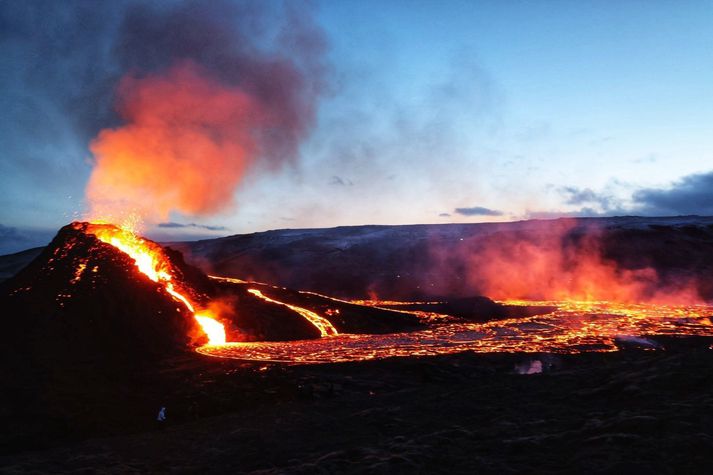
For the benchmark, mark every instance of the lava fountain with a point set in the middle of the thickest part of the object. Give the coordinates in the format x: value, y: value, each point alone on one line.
x: 152, y: 262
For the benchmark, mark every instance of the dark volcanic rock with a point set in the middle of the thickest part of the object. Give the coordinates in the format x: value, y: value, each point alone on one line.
x: 477, y: 309
x: 82, y: 300
x: 609, y: 413
x: 252, y: 319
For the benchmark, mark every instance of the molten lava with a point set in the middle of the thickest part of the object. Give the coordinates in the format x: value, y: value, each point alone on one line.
x: 322, y: 324
x: 152, y: 262
x: 573, y: 327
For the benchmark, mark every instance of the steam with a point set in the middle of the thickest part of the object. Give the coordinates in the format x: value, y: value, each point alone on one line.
x: 564, y: 260
x: 208, y: 94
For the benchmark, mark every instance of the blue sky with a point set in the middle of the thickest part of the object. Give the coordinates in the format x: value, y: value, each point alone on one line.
x: 520, y: 109
x: 528, y: 98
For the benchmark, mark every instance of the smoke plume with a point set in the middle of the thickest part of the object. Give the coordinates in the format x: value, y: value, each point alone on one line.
x: 209, y: 91
x: 555, y: 260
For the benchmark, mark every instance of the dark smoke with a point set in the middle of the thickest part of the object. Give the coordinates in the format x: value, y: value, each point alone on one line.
x: 62, y: 62
x: 232, y: 41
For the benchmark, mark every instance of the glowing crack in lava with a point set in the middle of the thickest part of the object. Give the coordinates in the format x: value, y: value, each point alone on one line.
x: 151, y: 261
x: 573, y: 327
x: 323, y: 325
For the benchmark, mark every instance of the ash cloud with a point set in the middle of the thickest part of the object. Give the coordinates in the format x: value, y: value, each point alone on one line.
x: 478, y: 211
x: 693, y: 194
x: 70, y: 55
x: 63, y: 61
x: 282, y: 66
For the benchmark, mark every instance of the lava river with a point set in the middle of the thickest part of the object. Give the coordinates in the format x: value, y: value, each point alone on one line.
x: 573, y: 327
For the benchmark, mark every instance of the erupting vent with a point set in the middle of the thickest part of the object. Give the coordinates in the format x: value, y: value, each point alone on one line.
x: 151, y: 261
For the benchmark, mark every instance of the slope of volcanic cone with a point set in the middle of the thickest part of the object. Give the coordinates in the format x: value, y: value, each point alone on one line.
x: 84, y: 301
x: 251, y: 318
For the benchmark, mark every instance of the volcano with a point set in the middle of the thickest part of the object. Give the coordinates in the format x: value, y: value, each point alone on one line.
x: 84, y: 299
x: 96, y: 341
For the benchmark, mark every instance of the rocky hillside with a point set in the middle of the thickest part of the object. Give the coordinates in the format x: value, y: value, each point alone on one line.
x: 418, y: 261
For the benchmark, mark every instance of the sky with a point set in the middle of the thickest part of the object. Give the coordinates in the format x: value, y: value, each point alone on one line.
x: 409, y: 112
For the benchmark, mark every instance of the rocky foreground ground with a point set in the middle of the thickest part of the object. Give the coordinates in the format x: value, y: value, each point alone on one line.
x: 631, y: 411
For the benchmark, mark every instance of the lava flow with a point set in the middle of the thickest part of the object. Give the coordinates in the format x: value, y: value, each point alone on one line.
x: 323, y: 325
x: 573, y: 327
x: 151, y: 261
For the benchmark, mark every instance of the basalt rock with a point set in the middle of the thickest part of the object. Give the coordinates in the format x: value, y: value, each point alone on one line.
x: 84, y: 301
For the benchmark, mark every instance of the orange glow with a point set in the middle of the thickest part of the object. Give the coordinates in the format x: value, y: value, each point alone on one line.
x: 388, y: 303
x: 213, y: 328
x: 323, y: 325
x: 573, y: 327
x: 185, y: 145
x: 151, y: 261
x: 556, y: 263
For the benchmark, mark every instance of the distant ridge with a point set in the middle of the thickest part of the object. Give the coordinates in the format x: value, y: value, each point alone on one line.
x: 363, y: 260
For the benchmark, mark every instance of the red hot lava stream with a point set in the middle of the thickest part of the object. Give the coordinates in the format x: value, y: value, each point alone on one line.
x: 572, y: 328
x: 151, y: 261
x: 323, y: 325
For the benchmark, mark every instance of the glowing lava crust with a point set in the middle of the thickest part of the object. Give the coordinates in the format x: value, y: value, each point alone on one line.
x: 573, y: 327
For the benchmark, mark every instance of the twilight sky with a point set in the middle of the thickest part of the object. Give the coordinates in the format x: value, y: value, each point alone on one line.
x: 424, y: 111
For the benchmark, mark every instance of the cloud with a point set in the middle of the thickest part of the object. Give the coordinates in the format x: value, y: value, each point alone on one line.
x: 339, y: 181
x: 478, y: 211
x: 692, y: 194
x: 14, y: 239
x: 580, y: 196
x: 192, y: 225
x: 444, y: 215
x: 584, y: 212
x: 591, y: 203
